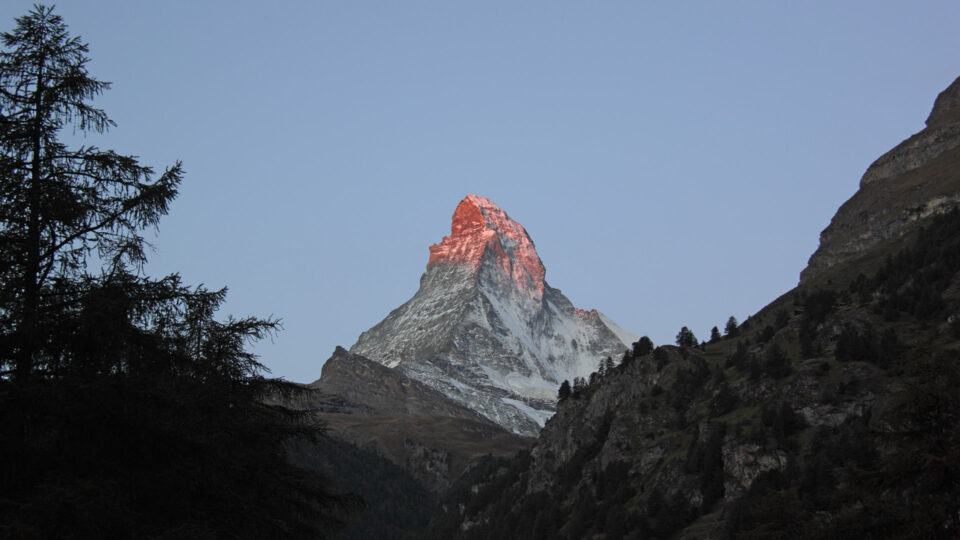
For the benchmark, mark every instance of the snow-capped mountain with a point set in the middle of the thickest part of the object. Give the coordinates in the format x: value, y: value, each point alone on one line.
x: 485, y: 328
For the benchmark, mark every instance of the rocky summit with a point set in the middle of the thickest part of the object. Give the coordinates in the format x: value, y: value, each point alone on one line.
x: 486, y: 330
x: 901, y: 190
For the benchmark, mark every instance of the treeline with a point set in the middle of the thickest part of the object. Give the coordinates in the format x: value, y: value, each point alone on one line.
x: 913, y: 281
x: 641, y: 347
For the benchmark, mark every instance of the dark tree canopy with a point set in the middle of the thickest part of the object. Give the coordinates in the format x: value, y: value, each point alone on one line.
x: 126, y: 409
x: 685, y: 338
x: 609, y: 365
x: 715, y: 335
x: 732, y: 329
x: 642, y: 347
x: 60, y: 205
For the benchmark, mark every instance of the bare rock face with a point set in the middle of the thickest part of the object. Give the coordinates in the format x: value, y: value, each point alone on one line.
x: 416, y: 427
x: 367, y: 387
x: 917, y: 179
x: 946, y: 109
x: 744, y: 462
x: 486, y: 330
x: 480, y: 230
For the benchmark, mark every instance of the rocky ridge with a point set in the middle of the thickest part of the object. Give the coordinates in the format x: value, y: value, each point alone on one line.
x: 380, y: 409
x: 366, y: 386
x: 917, y: 179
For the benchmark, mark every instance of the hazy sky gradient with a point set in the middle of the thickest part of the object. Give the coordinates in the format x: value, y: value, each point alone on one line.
x: 674, y: 162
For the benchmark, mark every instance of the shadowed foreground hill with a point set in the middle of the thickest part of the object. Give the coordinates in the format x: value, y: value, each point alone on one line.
x: 410, y: 424
x: 396, y: 442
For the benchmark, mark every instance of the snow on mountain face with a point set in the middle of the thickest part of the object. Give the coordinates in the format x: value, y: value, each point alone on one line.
x: 486, y: 329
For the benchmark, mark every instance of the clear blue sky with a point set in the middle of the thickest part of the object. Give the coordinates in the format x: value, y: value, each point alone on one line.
x: 674, y: 162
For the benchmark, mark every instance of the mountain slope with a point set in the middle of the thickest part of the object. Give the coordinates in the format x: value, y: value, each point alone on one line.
x: 485, y: 328
x: 370, y: 387
x: 917, y: 179
x: 380, y: 409
x: 831, y: 413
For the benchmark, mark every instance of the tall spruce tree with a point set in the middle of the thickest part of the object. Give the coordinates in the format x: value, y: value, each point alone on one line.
x: 126, y: 409
x: 686, y: 338
x: 60, y: 205
x: 732, y: 329
x: 714, y: 335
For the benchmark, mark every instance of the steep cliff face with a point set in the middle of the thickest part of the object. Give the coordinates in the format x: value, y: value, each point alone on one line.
x: 370, y: 387
x: 917, y: 179
x: 486, y: 330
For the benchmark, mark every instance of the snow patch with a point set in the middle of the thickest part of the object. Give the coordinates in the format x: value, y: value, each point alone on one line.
x: 627, y: 337
x: 538, y: 416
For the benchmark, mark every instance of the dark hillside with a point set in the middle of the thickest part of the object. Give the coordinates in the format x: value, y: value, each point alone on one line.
x: 830, y: 413
x: 916, y: 180
x: 394, y: 502
x: 833, y: 414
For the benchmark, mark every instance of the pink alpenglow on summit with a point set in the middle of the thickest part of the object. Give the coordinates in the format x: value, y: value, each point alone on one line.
x: 486, y: 330
x: 480, y: 228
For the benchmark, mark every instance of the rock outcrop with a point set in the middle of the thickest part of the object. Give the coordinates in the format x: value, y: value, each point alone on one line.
x: 370, y: 387
x: 412, y: 425
x: 917, y: 179
x: 681, y: 434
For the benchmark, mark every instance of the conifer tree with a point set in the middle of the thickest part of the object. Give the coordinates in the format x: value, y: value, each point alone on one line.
x: 642, y: 347
x: 60, y: 205
x: 714, y: 334
x: 686, y: 338
x: 731, y: 329
x: 128, y: 410
x: 608, y: 365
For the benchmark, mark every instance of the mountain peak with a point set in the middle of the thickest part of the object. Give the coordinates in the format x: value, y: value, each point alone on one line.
x: 917, y: 179
x: 486, y: 330
x: 946, y: 108
x: 481, y: 233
